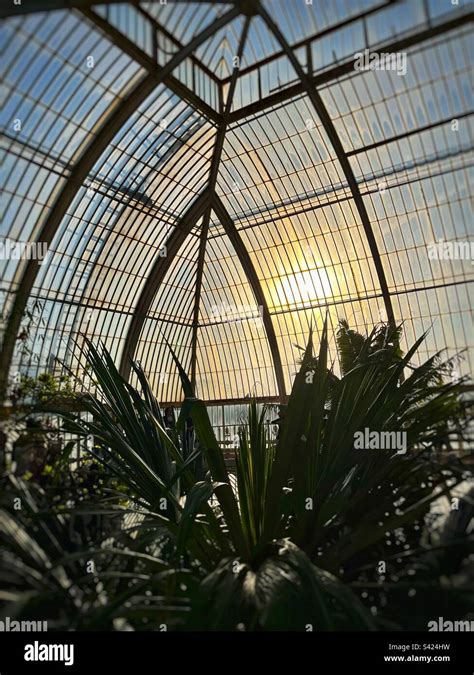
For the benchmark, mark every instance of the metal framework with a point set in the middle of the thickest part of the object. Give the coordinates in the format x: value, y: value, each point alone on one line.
x: 8, y: 8
x: 232, y: 233
x: 347, y: 66
x: 202, y: 148
x: 318, y: 104
x: 213, y: 172
x: 79, y: 173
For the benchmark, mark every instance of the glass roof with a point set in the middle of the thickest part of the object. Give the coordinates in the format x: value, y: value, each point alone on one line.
x: 218, y: 177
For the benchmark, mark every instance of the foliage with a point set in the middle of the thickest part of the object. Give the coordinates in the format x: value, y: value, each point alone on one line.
x: 42, y: 389
x: 75, y: 568
x: 294, y: 540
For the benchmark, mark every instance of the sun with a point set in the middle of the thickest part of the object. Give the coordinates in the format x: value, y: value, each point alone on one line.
x: 307, y: 286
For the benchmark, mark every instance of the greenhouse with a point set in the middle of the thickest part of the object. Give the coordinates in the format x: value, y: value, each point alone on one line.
x: 236, y: 341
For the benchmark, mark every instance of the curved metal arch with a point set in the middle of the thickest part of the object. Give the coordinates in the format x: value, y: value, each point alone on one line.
x: 110, y: 126
x: 197, y: 209
x: 314, y: 97
x: 213, y: 173
x: 197, y: 292
x: 251, y: 274
x: 202, y: 207
x: 139, y: 56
